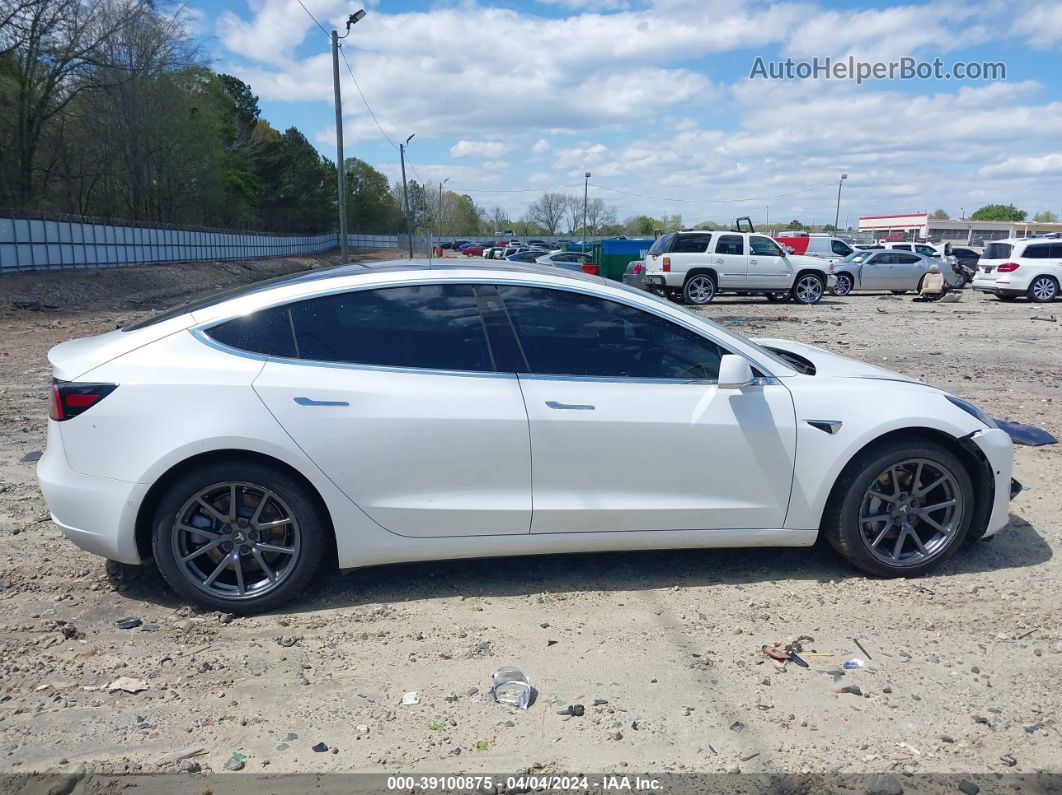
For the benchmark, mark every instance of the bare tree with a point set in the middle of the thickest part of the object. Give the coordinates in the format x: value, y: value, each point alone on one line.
x: 55, y: 48
x: 598, y: 215
x: 548, y: 211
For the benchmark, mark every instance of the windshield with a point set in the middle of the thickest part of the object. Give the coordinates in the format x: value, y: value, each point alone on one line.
x: 858, y: 256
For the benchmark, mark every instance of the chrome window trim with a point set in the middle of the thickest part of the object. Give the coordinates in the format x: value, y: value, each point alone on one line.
x: 200, y: 331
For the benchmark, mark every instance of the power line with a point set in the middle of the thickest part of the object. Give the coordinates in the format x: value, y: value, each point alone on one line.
x: 710, y: 201
x: 325, y: 32
x: 365, y: 101
x: 511, y: 190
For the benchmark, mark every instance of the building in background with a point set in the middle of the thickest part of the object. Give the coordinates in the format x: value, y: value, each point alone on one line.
x: 910, y: 226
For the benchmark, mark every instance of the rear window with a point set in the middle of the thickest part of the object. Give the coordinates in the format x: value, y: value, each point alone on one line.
x: 662, y: 244
x: 267, y: 332
x: 998, y: 251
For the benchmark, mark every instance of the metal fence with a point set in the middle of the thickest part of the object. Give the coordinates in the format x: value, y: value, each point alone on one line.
x: 45, y: 244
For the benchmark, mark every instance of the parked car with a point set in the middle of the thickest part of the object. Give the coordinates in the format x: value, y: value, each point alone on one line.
x: 825, y: 246
x: 569, y: 260
x: 540, y: 244
x: 472, y: 251
x: 1030, y: 267
x: 291, y: 408
x: 882, y: 269
x: 696, y: 266
x: 967, y: 257
x: 528, y: 255
x: 634, y: 275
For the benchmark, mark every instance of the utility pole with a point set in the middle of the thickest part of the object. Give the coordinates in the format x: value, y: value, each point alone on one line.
x: 405, y: 193
x: 341, y: 177
x: 586, y: 185
x: 441, y: 203
x: 837, y: 215
x: 341, y: 182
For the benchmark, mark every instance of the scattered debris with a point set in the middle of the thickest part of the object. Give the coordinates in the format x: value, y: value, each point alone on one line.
x: 320, y: 748
x: 737, y: 727
x: 129, y: 622
x: 226, y: 618
x: 29, y: 458
x: 774, y: 652
x: 509, y: 685
x: 287, y: 641
x: 1008, y: 760
x: 1049, y: 318
x: 573, y: 710
x: 853, y: 689
x: 747, y: 757
x: 885, y: 784
x: 410, y: 699
x: 189, y: 766
x: 127, y: 684
x: 860, y: 647
x: 967, y: 787
x: 236, y: 762
x: 1026, y: 434
x: 181, y: 755
x: 482, y: 745
x: 855, y: 662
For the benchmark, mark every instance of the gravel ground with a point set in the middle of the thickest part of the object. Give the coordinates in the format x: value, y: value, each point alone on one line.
x: 964, y: 668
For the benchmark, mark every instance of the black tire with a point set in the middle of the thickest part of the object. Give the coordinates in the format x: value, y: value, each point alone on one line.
x: 777, y: 298
x: 1043, y: 289
x: 699, y: 289
x: 804, y: 292
x: 841, y: 524
x: 844, y: 285
x: 308, y: 533
x: 961, y: 282
x: 902, y: 292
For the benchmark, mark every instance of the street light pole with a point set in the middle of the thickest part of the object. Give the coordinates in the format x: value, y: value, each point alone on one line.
x: 405, y: 194
x: 586, y: 185
x: 837, y: 215
x: 341, y: 177
x: 441, y: 203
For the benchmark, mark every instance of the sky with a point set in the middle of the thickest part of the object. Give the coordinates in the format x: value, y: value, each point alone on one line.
x: 657, y: 100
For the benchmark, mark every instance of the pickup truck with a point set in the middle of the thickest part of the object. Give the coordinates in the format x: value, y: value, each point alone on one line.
x: 696, y: 266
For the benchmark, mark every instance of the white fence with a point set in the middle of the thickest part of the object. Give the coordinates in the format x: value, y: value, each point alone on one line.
x: 41, y: 244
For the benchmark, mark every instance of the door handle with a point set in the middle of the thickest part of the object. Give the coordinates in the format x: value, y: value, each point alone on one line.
x: 305, y: 401
x: 718, y: 261
x: 754, y: 262
x: 554, y: 404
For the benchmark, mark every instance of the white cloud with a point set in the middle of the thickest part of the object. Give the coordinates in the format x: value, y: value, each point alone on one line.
x: 1041, y: 25
x: 465, y: 148
x: 541, y: 147
x: 1024, y: 166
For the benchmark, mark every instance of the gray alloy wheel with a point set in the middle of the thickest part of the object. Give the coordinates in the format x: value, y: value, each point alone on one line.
x: 699, y: 289
x: 1043, y: 289
x: 910, y: 512
x: 808, y: 289
x: 236, y: 540
x: 844, y: 285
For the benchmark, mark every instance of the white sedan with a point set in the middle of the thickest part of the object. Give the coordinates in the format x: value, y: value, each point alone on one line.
x: 403, y: 413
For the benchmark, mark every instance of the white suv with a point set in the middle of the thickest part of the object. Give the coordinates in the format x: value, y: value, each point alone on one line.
x: 1021, y: 266
x: 698, y: 265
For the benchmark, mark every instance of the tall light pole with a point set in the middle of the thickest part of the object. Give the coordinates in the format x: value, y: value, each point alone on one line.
x: 341, y: 177
x: 586, y: 185
x: 405, y: 193
x: 440, y: 202
x: 837, y: 215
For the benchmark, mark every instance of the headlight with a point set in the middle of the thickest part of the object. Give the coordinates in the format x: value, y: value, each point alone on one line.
x: 972, y: 410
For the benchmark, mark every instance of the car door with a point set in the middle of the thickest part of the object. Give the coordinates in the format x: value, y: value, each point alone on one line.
x: 628, y: 428
x: 395, y: 396
x: 769, y: 267
x: 907, y: 271
x: 875, y: 273
x: 730, y: 260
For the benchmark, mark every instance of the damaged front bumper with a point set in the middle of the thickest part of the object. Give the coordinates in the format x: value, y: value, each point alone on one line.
x: 998, y: 451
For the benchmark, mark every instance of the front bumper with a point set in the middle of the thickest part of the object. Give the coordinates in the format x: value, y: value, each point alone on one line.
x: 97, y: 514
x: 998, y: 450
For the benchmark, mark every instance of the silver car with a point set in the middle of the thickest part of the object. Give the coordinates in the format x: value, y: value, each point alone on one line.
x: 898, y: 271
x: 634, y: 275
x: 568, y: 260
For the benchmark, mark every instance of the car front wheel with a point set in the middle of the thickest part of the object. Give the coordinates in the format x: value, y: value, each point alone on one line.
x: 239, y: 537
x: 844, y: 284
x: 901, y: 510
x: 808, y: 289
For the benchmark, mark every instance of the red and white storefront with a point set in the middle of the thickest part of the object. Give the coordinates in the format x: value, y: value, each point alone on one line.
x: 895, y: 227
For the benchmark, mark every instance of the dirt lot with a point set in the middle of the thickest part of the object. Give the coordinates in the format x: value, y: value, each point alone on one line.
x: 964, y: 668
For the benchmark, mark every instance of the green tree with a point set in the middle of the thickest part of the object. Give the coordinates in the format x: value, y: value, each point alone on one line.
x: 999, y: 212
x: 794, y: 225
x: 370, y: 205
x: 1045, y: 217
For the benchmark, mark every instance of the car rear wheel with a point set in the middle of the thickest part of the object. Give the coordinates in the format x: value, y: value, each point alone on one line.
x: 901, y: 510
x: 844, y: 284
x: 699, y: 289
x: 240, y: 537
x: 808, y: 289
x: 1043, y: 289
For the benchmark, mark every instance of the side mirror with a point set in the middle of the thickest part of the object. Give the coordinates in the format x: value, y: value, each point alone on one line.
x: 789, y: 249
x: 735, y: 372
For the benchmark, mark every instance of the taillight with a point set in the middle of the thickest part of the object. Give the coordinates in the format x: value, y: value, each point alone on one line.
x: 590, y: 267
x: 70, y: 398
x: 1007, y: 267
x: 667, y: 264
x: 637, y: 268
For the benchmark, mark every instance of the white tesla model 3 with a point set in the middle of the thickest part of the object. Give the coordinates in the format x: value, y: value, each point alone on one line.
x: 401, y: 412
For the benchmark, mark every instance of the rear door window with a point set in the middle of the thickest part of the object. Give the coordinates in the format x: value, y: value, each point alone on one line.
x: 998, y: 251
x: 1040, y: 251
x: 730, y: 244
x: 433, y: 326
